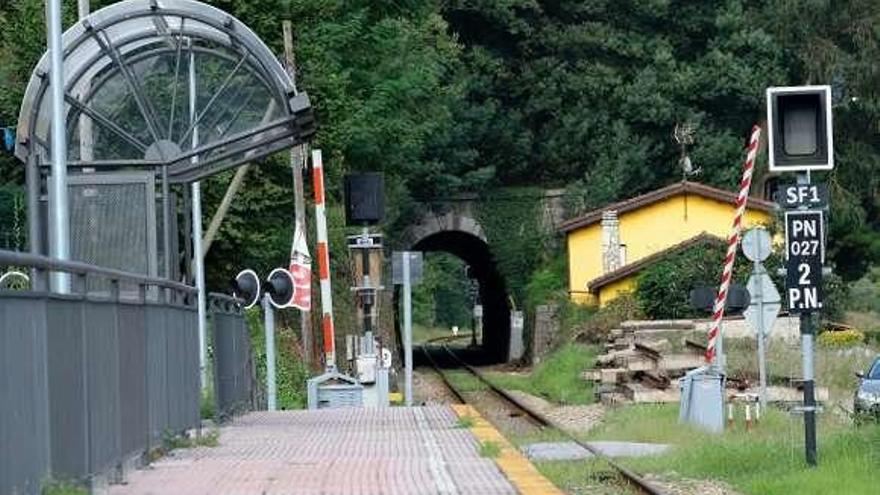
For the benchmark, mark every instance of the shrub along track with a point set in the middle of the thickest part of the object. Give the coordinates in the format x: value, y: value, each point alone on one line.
x: 504, y: 405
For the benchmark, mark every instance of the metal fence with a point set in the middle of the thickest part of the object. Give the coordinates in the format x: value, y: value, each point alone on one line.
x: 90, y: 381
x: 234, y: 372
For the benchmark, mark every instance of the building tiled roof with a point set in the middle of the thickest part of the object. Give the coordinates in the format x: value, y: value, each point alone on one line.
x: 636, y: 266
x: 683, y: 187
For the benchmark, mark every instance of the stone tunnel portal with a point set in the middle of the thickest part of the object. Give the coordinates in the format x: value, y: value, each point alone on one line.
x: 474, y: 251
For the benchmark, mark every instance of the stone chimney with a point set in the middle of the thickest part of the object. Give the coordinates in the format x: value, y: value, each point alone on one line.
x: 611, y: 247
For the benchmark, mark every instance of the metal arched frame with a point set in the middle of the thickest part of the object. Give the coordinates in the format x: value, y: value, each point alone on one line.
x: 109, y: 42
x: 129, y: 58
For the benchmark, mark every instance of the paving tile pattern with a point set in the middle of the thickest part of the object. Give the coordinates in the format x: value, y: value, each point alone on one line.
x: 387, y: 451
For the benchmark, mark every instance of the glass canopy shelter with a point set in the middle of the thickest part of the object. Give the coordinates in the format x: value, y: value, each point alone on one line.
x: 155, y: 90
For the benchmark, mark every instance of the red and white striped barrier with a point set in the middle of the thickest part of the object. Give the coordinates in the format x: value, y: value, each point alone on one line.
x: 733, y: 241
x: 323, y: 261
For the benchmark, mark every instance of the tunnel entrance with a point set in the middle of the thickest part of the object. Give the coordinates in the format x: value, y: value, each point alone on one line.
x: 474, y: 252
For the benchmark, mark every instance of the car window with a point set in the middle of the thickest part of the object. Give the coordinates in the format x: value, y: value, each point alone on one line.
x: 874, y: 374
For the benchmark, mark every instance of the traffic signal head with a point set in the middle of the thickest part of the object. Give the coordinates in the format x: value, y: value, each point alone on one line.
x: 279, y: 286
x: 738, y: 299
x: 799, y: 128
x: 703, y: 297
x: 246, y: 286
x: 364, y: 198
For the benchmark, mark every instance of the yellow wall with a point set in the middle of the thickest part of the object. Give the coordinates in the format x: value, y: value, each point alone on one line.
x: 611, y: 291
x: 645, y: 231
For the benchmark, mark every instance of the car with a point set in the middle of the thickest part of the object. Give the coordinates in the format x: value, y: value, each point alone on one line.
x: 867, y: 400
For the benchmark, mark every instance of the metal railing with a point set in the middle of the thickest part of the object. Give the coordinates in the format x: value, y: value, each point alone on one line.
x: 91, y: 380
x: 41, y: 266
x: 234, y: 372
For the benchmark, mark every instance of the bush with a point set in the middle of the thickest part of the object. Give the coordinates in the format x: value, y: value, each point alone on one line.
x: 841, y: 338
x: 548, y: 283
x: 663, y: 289
x: 558, y: 378
x: 290, y: 372
x: 594, y: 326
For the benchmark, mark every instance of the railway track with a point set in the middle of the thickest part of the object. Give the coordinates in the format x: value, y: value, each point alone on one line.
x: 539, y: 420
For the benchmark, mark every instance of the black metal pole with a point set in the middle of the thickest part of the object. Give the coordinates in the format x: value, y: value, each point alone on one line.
x: 367, y: 297
x: 807, y: 334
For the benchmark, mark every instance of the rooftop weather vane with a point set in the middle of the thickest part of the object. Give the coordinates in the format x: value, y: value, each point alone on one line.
x: 684, y: 136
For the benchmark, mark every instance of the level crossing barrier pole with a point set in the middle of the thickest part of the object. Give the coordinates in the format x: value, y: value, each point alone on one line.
x: 329, y: 333
x: 715, y: 347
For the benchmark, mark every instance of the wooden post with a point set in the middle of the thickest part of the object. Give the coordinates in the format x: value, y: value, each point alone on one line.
x: 298, y: 156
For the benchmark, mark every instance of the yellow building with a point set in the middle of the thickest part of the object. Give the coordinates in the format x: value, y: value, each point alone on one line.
x: 608, y: 247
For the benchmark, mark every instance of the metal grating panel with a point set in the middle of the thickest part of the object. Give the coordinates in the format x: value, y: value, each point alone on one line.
x: 113, y: 224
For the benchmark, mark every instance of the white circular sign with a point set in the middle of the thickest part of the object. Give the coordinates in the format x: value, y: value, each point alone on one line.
x: 756, y: 244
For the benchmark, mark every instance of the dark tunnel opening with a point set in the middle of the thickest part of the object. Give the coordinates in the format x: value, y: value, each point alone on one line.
x: 475, y: 253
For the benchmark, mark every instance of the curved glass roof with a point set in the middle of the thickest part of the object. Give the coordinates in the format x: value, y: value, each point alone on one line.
x: 165, y: 82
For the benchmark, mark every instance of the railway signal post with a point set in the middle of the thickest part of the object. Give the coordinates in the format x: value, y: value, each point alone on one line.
x: 406, y: 268
x: 801, y: 140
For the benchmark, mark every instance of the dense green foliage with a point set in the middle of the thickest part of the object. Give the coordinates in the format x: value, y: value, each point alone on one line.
x: 13, y: 218
x: 441, y: 299
x: 512, y: 223
x: 548, y: 283
x: 290, y: 374
x: 663, y: 289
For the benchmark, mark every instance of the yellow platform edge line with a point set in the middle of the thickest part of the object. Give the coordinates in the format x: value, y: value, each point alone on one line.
x: 521, y: 473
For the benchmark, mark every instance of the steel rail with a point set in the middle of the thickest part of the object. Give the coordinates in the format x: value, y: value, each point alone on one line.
x: 630, y: 476
x: 442, y: 375
x: 505, y: 396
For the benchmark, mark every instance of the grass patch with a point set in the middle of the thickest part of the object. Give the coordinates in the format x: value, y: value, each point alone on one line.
x: 210, y: 439
x: 767, y: 461
x: 558, y: 378
x: 207, y: 407
x: 583, y: 477
x: 463, y: 381
x: 490, y: 449
x: 835, y: 368
x: 53, y: 487
x: 465, y: 422
x: 423, y: 333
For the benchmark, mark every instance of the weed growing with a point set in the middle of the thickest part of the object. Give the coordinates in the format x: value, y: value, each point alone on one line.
x: 490, y: 449
x: 464, y: 382
x: 209, y: 439
x: 465, y: 422
x: 54, y: 487
x: 558, y: 378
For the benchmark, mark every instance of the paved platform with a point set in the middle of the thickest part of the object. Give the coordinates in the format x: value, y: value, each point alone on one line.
x: 389, y: 451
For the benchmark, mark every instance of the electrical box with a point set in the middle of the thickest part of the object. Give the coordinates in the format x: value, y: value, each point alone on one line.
x: 334, y: 390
